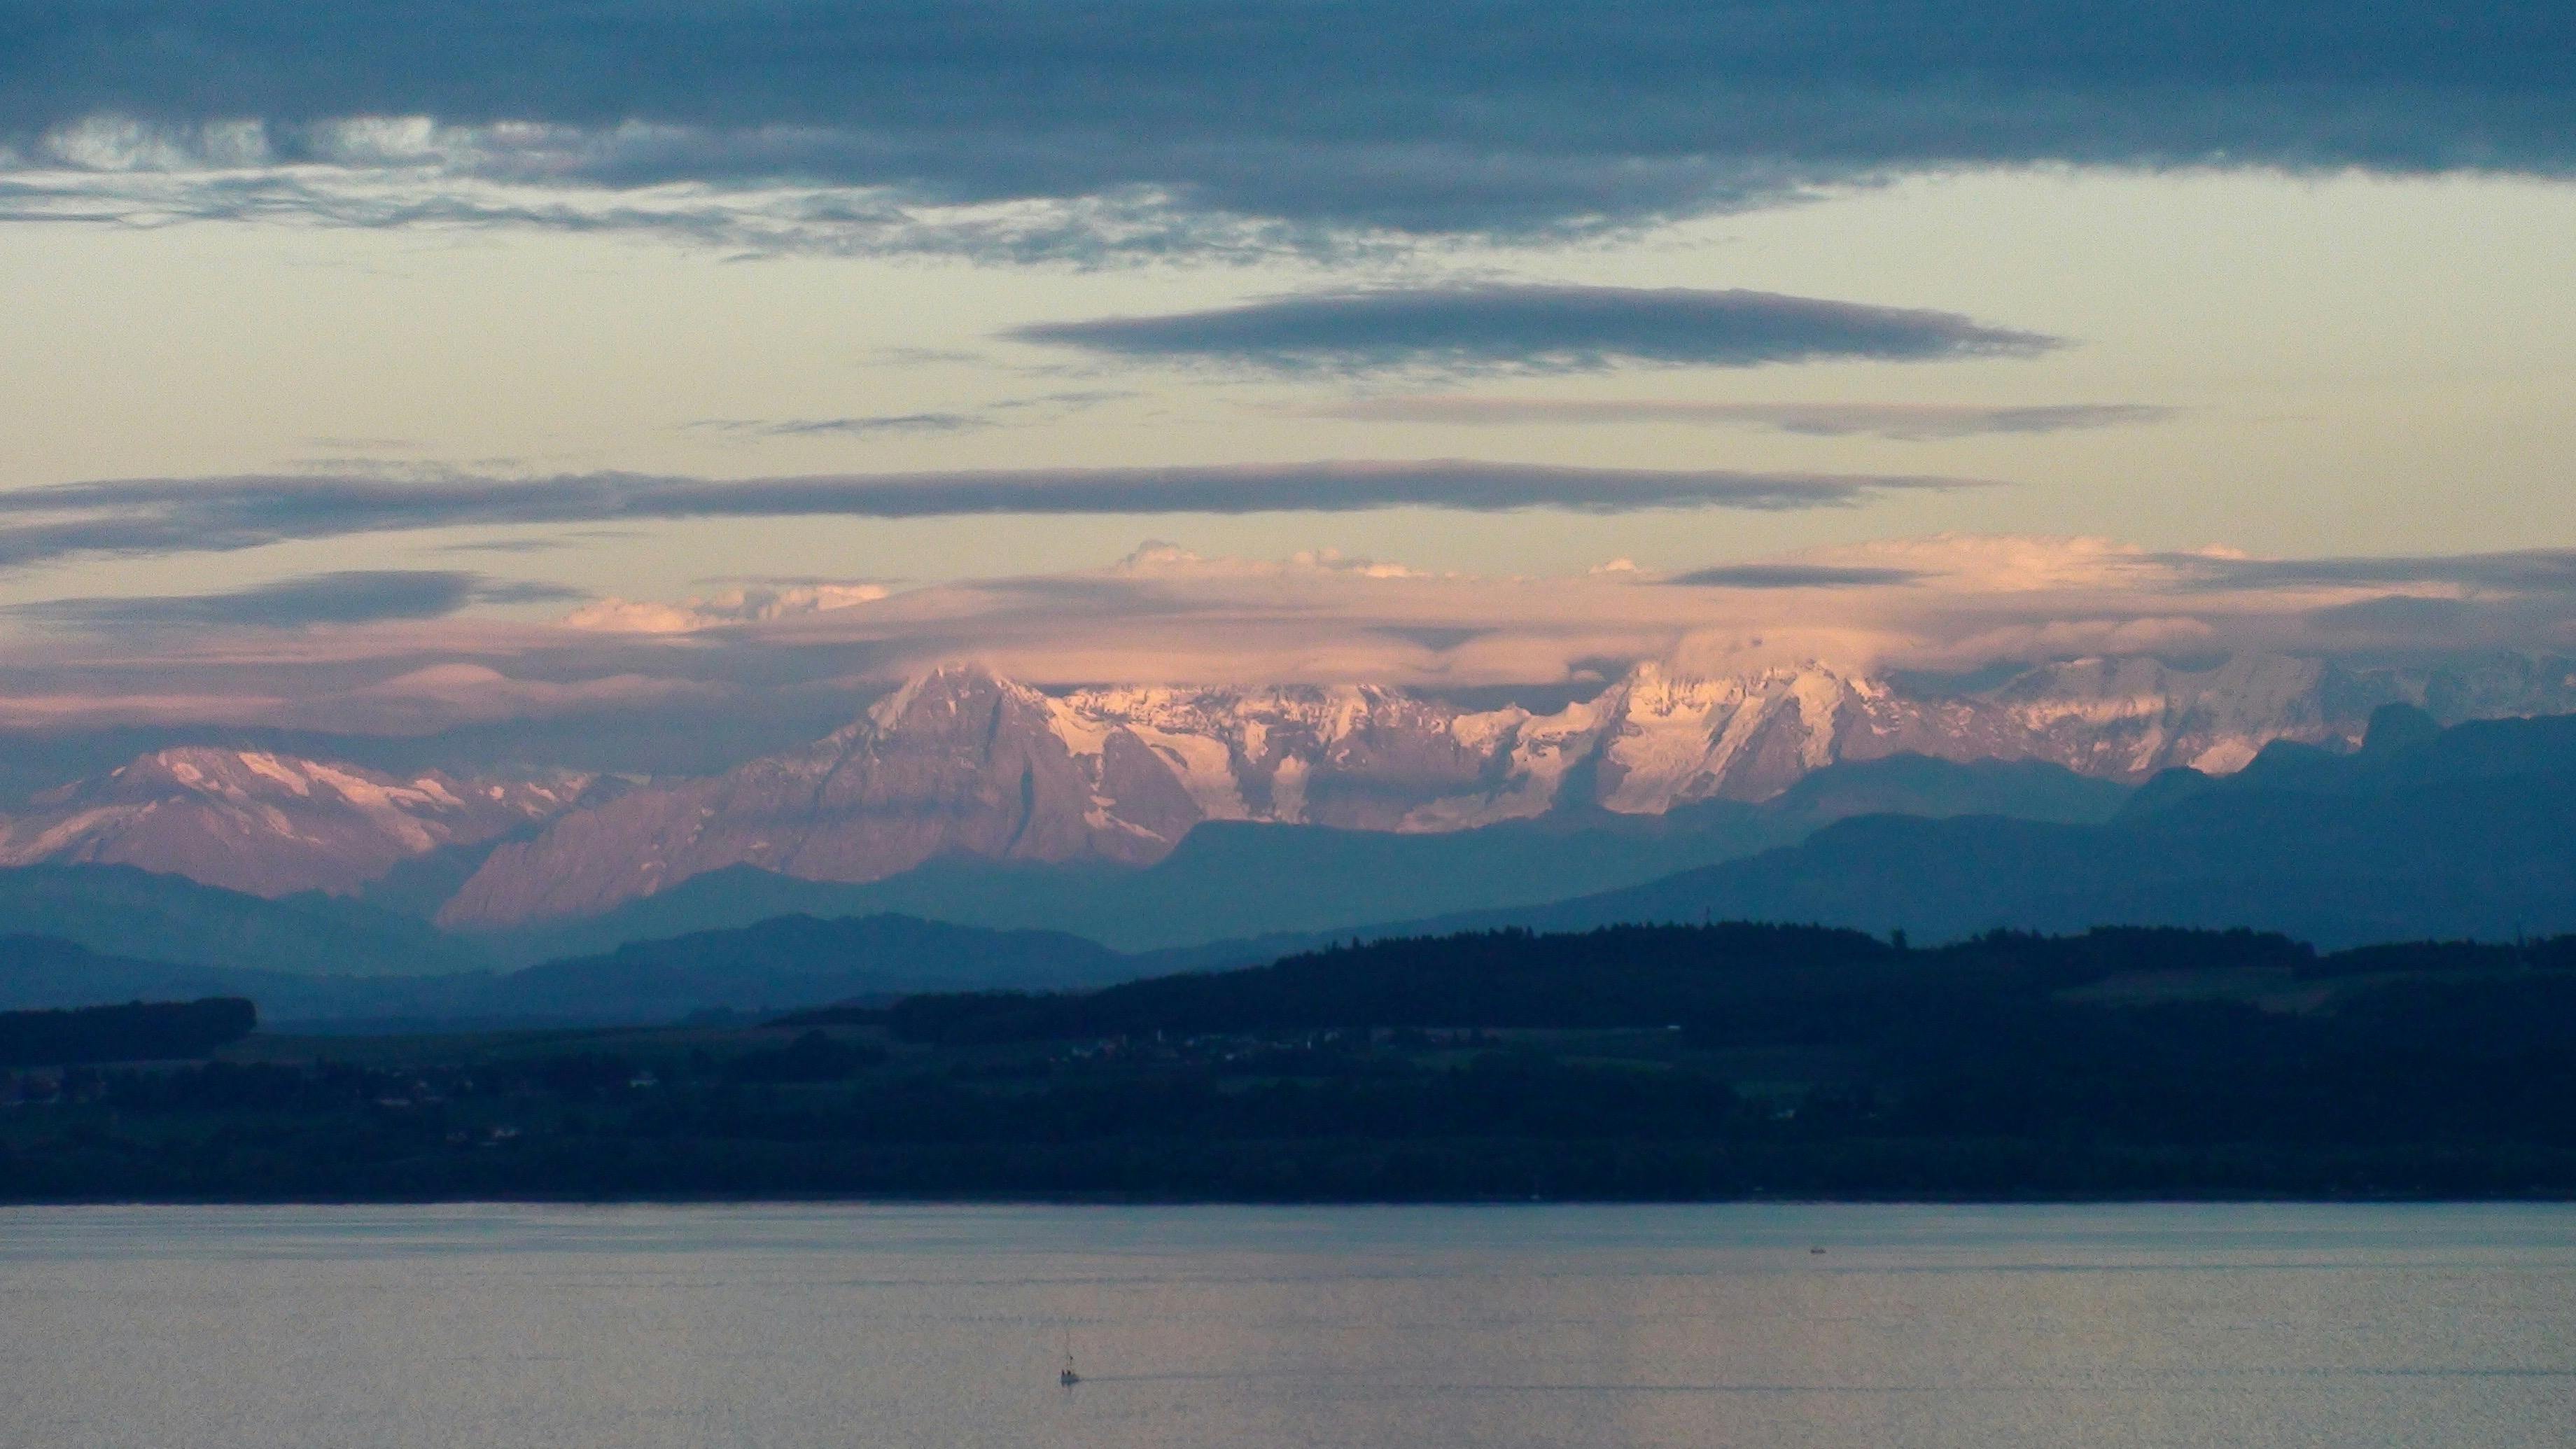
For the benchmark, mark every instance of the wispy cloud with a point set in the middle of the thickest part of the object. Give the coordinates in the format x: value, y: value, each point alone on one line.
x: 1905, y: 422
x: 2526, y: 571
x: 985, y: 415
x: 1512, y: 327
x: 860, y: 426
x: 675, y: 680
x: 358, y: 596
x: 179, y: 515
x: 1795, y: 576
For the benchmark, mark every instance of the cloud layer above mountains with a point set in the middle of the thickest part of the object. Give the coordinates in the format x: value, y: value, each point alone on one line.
x: 182, y: 515
x: 352, y: 596
x: 1414, y: 190
x: 1032, y: 128
x: 754, y: 657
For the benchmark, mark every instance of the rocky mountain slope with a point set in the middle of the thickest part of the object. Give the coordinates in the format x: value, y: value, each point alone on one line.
x: 270, y: 824
x: 959, y: 762
x: 961, y: 765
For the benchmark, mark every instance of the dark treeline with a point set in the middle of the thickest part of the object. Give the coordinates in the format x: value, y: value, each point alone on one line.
x: 1736, y: 980
x: 1636, y: 1063
x: 137, y: 1032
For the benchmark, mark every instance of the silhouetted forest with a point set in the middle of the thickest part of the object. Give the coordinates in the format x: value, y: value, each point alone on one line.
x: 1738, y: 980
x: 139, y: 1032
x: 1669, y: 1062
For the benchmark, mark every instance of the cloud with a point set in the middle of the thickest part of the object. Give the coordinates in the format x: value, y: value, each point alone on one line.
x: 359, y: 596
x: 2526, y: 571
x: 1795, y: 576
x: 1031, y: 128
x: 988, y: 416
x: 1904, y: 422
x: 716, y: 611
x: 936, y: 422
x: 553, y: 543
x: 1439, y: 639
x: 173, y: 515
x: 690, y: 680
x: 443, y: 696
x: 1506, y: 327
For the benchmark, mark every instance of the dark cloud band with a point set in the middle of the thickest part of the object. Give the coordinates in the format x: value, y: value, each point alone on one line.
x: 1904, y: 422
x: 1543, y: 328
x: 174, y: 515
x: 358, y: 596
x: 2528, y: 571
x: 1436, y: 117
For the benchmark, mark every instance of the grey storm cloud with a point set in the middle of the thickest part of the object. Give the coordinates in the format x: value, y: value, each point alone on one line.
x: 357, y: 596
x: 1441, y: 117
x: 1544, y: 328
x: 1903, y: 422
x: 179, y: 515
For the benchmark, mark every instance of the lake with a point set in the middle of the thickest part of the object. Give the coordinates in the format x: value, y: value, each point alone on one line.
x: 1417, y: 1328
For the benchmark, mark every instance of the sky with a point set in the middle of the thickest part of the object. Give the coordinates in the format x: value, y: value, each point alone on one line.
x: 406, y: 368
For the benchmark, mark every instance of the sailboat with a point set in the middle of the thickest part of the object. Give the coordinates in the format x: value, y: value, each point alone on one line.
x: 1067, y: 1376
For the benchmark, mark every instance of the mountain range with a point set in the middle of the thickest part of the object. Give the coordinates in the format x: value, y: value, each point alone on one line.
x: 958, y: 766
x: 2420, y: 833
x: 1239, y: 880
x: 963, y: 763
x: 266, y: 823
x: 2259, y: 790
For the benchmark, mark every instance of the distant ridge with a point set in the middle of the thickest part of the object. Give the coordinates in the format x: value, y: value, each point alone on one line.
x: 1231, y: 880
x: 122, y: 910
x: 962, y: 763
x: 788, y: 962
x: 959, y: 769
x: 2457, y: 833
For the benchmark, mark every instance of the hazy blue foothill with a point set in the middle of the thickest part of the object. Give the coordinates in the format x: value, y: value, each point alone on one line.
x: 1231, y: 881
x: 2421, y: 833
x: 124, y: 911
x: 2459, y: 832
x: 784, y: 962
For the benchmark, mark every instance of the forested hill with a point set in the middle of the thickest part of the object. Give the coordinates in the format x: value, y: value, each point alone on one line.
x: 1808, y: 981
x: 139, y: 1031
x: 1672, y: 1062
x: 2422, y: 833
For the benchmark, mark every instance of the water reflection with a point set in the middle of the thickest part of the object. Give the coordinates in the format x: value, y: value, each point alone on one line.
x: 1419, y: 1328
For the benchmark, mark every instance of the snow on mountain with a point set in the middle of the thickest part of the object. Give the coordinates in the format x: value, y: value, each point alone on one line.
x: 954, y: 763
x: 961, y: 763
x: 270, y: 824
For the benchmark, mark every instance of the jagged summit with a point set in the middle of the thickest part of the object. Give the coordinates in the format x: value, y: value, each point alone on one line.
x: 271, y: 824
x: 960, y: 762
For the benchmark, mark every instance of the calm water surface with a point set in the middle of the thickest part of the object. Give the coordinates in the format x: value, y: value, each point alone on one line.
x: 1345, y: 1327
